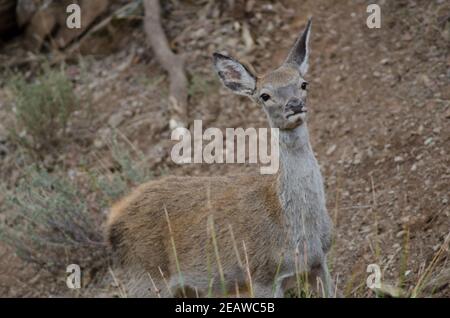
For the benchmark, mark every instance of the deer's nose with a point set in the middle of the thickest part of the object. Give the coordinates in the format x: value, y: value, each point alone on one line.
x: 295, y: 105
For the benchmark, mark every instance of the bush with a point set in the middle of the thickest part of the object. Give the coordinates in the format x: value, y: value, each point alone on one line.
x: 53, y: 220
x: 42, y: 109
x: 130, y: 170
x: 51, y: 224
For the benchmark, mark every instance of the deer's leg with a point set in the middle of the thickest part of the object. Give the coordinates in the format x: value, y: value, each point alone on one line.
x: 319, y: 277
x: 325, y: 277
x: 279, y: 291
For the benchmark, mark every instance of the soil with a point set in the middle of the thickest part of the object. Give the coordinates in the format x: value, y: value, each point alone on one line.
x: 379, y: 121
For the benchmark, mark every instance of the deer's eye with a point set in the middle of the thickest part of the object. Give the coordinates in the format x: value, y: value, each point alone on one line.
x: 304, y: 85
x: 265, y: 97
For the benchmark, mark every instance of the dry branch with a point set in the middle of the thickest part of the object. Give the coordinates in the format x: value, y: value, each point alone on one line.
x: 172, y: 63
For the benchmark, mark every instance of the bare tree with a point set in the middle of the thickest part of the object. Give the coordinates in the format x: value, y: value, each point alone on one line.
x: 171, y: 62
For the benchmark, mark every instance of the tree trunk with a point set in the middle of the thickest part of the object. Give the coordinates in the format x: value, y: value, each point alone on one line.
x: 172, y: 63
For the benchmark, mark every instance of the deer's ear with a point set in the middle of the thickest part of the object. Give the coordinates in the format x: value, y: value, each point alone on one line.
x: 234, y: 75
x: 299, y: 54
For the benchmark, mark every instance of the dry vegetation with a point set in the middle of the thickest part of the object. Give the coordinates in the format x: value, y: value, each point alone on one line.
x: 380, y: 112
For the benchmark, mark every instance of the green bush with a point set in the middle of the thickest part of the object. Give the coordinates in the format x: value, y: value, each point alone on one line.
x: 42, y: 108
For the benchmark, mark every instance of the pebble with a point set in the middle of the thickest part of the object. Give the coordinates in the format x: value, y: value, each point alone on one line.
x: 331, y: 150
x: 428, y: 141
x: 116, y: 119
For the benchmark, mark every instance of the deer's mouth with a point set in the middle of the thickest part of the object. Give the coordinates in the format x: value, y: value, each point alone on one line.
x: 298, y: 112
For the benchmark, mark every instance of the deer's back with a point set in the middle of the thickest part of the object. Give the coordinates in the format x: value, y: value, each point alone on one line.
x: 247, y: 206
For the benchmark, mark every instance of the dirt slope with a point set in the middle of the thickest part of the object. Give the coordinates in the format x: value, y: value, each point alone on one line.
x: 380, y: 111
x: 381, y: 130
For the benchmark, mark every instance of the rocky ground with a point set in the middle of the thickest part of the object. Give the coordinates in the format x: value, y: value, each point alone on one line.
x: 379, y: 121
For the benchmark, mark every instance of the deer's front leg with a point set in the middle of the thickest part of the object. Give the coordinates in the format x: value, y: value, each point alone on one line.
x: 320, y: 278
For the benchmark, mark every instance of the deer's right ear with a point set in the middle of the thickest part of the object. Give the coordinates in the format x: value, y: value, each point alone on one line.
x: 234, y: 75
x: 299, y: 54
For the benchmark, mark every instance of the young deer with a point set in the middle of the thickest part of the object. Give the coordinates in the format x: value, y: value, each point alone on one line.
x: 199, y: 236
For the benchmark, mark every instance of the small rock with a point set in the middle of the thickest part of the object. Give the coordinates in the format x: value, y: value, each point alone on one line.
x: 358, y: 159
x: 331, y: 150
x: 426, y: 80
x: 72, y: 174
x: 173, y: 124
x: 398, y: 159
x: 116, y: 119
x: 405, y: 219
x: 420, y: 130
x: 407, y: 37
x: 428, y: 141
x: 102, y: 135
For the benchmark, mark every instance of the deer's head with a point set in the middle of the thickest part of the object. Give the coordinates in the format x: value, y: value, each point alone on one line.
x: 281, y: 92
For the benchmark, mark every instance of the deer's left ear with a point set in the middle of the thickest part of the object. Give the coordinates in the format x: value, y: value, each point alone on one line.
x: 235, y: 75
x: 299, y: 54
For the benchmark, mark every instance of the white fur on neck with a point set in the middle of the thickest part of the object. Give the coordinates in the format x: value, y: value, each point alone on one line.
x: 302, y: 195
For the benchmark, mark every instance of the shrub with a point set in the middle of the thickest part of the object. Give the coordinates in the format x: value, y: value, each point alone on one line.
x: 42, y: 109
x: 51, y: 224
x: 130, y: 170
x: 53, y: 220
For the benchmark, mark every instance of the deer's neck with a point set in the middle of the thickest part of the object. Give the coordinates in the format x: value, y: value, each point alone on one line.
x: 300, y: 183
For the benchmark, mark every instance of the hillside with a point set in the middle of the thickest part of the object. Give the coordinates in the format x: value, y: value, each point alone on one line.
x: 379, y: 123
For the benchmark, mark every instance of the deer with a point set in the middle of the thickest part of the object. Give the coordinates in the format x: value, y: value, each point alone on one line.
x: 251, y: 235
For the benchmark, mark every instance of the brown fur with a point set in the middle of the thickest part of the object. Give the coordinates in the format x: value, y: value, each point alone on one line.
x: 139, y: 233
